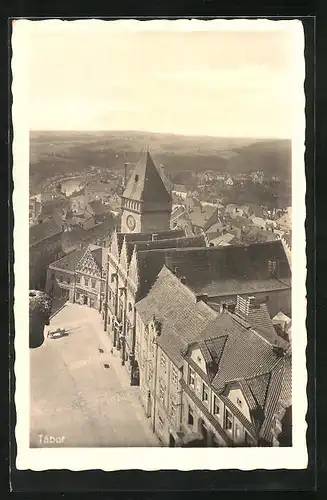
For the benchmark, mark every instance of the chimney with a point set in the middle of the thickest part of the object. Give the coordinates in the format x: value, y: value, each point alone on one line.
x: 244, y: 305
x: 202, y: 297
x: 175, y: 270
x: 182, y: 278
x: 154, y: 237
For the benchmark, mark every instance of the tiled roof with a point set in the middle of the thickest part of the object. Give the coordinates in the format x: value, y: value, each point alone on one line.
x: 97, y: 255
x: 246, y: 354
x: 43, y: 230
x: 145, y: 183
x: 203, y: 216
x: 185, y: 242
x: 160, y: 235
x: 232, y: 269
x: 175, y: 306
x: 272, y: 399
x: 260, y: 235
x: 79, y: 235
x: 69, y: 261
x: 259, y: 317
x: 223, y: 239
x: 244, y: 357
x: 98, y: 208
x: 191, y: 201
x: 258, y: 386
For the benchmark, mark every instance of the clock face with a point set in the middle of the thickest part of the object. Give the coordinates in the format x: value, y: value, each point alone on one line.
x: 131, y: 222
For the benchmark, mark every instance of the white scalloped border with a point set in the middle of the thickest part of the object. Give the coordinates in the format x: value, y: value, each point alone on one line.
x: 109, y: 459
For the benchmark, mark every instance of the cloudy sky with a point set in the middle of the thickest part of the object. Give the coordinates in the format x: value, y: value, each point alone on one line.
x: 99, y: 76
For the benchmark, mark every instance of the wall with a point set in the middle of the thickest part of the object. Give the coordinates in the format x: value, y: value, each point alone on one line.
x: 60, y: 284
x: 41, y: 256
x: 236, y: 433
x: 147, y: 222
x: 84, y: 288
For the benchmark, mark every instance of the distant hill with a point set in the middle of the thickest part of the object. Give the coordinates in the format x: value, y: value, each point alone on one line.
x: 54, y: 153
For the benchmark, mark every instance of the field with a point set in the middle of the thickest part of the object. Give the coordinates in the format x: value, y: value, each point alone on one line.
x: 55, y: 154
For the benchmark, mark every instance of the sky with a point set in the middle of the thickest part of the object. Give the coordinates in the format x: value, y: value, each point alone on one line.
x: 213, y: 81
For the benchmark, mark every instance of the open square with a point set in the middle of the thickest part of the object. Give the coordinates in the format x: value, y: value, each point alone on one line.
x: 75, y: 400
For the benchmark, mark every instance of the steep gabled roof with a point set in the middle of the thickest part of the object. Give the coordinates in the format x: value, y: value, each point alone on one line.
x: 181, y: 316
x: 43, y: 230
x: 69, y: 261
x: 245, y: 353
x: 145, y: 183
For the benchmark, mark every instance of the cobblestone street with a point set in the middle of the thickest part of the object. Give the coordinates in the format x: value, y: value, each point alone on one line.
x: 75, y: 398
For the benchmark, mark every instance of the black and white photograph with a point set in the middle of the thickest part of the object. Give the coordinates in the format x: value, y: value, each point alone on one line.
x: 159, y: 185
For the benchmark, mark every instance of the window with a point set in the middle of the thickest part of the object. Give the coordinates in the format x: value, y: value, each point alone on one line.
x: 239, y: 402
x: 161, y: 392
x: 93, y: 283
x: 77, y: 296
x: 205, y: 393
x: 130, y: 307
x: 110, y: 295
x: 191, y: 377
x: 60, y: 278
x: 112, y: 278
x: 174, y: 376
x: 86, y: 281
x: 163, y: 362
x: 216, y: 407
x: 199, y: 360
x: 68, y: 281
x: 228, y: 420
x: 272, y: 267
x: 78, y: 279
x: 190, y: 418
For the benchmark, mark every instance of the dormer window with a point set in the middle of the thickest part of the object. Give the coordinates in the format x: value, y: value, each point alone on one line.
x: 136, y: 178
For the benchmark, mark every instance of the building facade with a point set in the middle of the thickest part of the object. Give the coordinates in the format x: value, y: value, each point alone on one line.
x: 91, y: 274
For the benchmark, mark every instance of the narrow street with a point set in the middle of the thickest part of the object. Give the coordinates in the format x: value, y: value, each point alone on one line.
x: 80, y: 393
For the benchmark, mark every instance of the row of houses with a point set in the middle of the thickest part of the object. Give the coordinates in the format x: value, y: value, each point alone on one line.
x: 174, y: 341
x: 192, y: 323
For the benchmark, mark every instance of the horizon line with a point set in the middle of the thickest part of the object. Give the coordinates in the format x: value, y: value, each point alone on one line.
x: 159, y: 133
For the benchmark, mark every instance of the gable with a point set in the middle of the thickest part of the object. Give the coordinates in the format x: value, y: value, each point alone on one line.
x: 236, y: 396
x: 88, y: 265
x: 197, y: 356
x: 114, y: 249
x: 123, y: 261
x: 133, y: 270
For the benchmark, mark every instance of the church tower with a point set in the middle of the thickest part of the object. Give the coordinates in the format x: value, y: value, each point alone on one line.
x: 146, y: 201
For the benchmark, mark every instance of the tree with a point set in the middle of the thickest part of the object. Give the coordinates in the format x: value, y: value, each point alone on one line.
x: 40, y: 305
